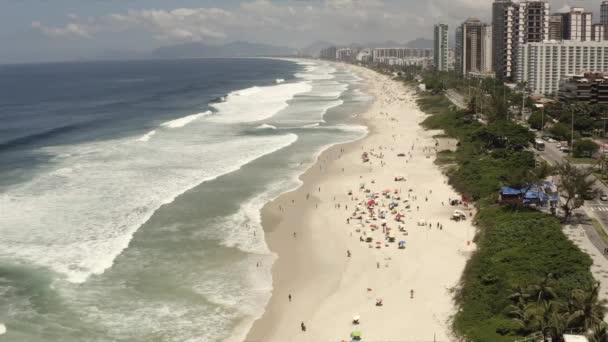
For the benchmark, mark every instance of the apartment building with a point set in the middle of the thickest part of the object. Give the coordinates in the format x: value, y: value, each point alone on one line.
x: 556, y: 27
x: 516, y: 23
x: 577, y: 24
x: 474, y: 47
x: 440, y: 51
x: 589, y: 87
x: 543, y: 65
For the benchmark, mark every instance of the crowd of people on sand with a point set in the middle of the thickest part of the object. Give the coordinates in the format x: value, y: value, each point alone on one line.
x: 381, y: 218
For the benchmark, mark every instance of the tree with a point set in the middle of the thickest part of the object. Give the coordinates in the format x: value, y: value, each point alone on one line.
x: 561, y: 131
x: 574, y: 184
x: 536, y: 120
x: 585, y: 309
x: 543, y: 291
x: 585, y: 148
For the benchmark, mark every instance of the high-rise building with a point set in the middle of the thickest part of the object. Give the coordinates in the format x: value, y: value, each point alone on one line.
x: 516, y: 23
x: 604, y: 18
x: 440, y: 52
x: 577, y: 24
x: 474, y: 47
x: 543, y: 65
x: 458, y: 50
x: 556, y: 27
x: 598, y: 32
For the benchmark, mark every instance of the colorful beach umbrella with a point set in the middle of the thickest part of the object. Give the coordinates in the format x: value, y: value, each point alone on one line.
x: 355, y: 333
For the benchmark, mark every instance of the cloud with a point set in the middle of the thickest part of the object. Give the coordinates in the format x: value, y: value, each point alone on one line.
x: 286, y: 22
x: 70, y: 29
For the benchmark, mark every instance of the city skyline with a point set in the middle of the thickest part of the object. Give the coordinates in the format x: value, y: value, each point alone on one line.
x: 66, y: 29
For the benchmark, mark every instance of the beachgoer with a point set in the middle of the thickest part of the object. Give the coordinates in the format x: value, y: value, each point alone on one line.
x: 303, y: 326
x: 294, y: 235
x: 347, y: 253
x: 289, y: 297
x: 411, y: 293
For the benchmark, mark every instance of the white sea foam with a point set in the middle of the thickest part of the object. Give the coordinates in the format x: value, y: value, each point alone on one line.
x: 279, y: 80
x: 181, y: 122
x: 147, y: 136
x: 266, y: 126
x: 77, y: 221
x: 257, y: 103
x: 2, y: 329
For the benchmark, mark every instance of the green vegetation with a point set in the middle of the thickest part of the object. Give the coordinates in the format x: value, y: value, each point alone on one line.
x: 585, y: 148
x: 519, y: 254
x: 526, y: 276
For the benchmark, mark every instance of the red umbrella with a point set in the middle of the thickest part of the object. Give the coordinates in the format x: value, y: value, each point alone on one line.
x: 370, y: 203
x: 378, y: 243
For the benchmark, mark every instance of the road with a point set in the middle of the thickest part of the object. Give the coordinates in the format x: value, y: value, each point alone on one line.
x: 456, y: 98
x: 595, y: 208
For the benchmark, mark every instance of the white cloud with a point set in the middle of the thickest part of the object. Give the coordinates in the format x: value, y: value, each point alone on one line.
x: 286, y: 22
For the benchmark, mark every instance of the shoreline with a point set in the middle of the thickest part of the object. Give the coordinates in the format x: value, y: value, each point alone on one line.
x: 311, y: 240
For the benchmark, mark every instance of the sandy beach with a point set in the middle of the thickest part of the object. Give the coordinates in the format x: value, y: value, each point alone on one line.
x: 325, y: 275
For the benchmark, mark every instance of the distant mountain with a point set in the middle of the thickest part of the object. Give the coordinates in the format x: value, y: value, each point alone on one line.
x: 235, y: 49
x: 420, y: 43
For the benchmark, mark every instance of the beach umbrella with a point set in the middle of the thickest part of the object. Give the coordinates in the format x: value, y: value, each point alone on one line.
x: 402, y: 242
x: 378, y: 243
x: 355, y: 333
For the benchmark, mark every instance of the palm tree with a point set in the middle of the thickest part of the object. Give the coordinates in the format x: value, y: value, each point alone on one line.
x: 543, y: 290
x: 586, y: 310
x: 525, y: 317
x: 550, y: 321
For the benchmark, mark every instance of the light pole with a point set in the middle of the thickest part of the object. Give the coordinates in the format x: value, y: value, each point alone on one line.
x: 572, y: 135
x: 542, y: 119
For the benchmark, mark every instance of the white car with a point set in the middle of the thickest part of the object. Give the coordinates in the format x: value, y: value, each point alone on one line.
x: 604, y: 198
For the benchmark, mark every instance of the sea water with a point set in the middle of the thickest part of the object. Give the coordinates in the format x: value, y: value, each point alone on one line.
x: 130, y: 192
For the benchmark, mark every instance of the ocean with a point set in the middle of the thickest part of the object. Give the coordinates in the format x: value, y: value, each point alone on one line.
x: 130, y: 192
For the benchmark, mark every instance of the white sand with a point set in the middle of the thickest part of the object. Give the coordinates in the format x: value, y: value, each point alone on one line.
x: 329, y: 288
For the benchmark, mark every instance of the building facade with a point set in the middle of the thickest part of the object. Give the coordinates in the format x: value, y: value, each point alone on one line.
x: 328, y: 53
x: 556, y: 27
x: 440, y: 51
x: 590, y: 87
x: 514, y: 24
x: 598, y: 32
x: 474, y: 47
x: 543, y: 65
x: 577, y: 24
x: 345, y: 54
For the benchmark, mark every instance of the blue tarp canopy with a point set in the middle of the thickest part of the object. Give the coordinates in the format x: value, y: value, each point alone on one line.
x: 511, y: 191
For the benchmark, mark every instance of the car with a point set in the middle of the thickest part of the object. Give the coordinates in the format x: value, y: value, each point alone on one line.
x: 564, y: 149
x: 551, y: 140
x: 604, y: 197
x: 546, y: 138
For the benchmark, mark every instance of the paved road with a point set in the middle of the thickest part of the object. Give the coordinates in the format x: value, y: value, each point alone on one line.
x: 596, y: 208
x: 456, y: 98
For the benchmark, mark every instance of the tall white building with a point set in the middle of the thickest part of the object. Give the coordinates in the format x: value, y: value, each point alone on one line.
x: 440, y: 51
x: 515, y: 23
x: 543, y: 65
x: 577, y: 24
x: 474, y: 47
x: 598, y: 32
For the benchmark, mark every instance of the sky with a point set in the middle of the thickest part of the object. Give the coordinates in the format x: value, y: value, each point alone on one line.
x: 50, y: 30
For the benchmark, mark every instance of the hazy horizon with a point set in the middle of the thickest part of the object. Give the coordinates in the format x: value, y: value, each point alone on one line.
x: 35, y: 31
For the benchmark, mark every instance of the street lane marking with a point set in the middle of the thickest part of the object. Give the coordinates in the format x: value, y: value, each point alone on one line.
x: 599, y: 208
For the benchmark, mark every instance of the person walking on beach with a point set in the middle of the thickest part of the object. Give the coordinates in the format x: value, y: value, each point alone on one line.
x: 303, y: 326
x: 289, y: 297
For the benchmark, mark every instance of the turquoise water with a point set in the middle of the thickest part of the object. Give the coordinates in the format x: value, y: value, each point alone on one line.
x: 152, y: 232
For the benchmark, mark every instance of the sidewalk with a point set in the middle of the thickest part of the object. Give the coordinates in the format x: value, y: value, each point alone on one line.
x: 584, y: 236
